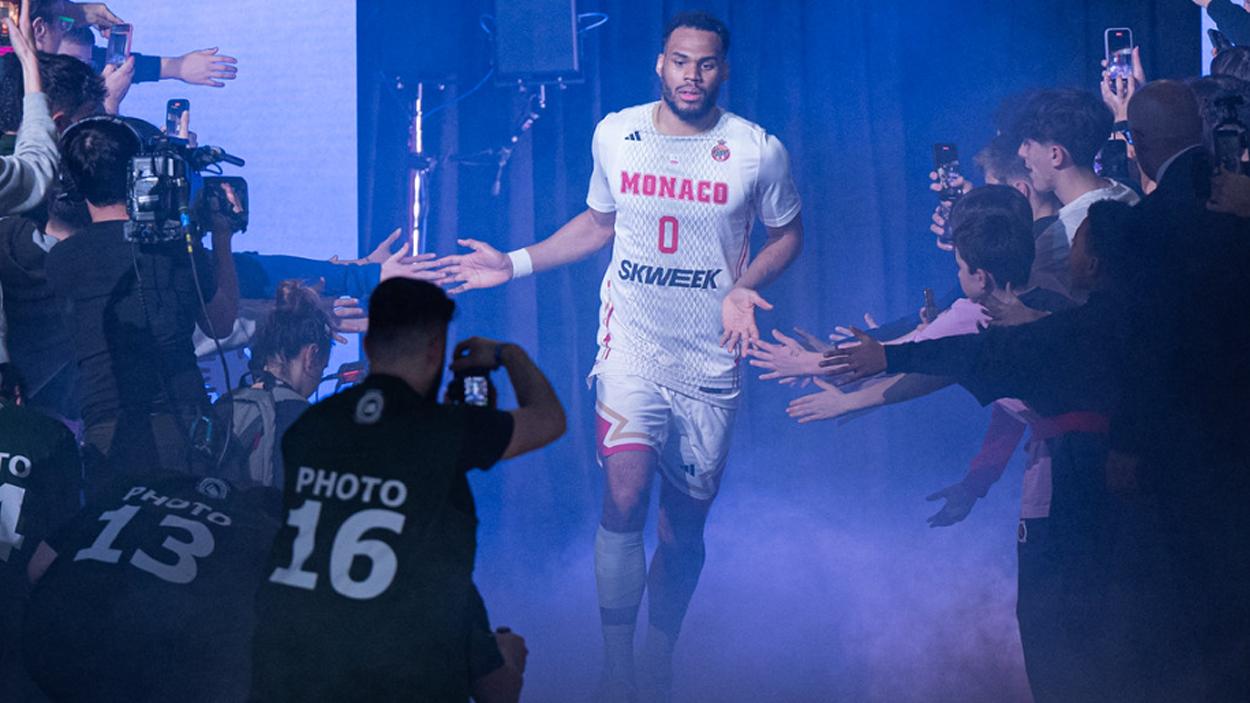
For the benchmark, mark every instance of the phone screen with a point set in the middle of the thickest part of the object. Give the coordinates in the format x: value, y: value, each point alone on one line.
x: 177, y: 118
x: 1118, y: 39
x: 9, y: 10
x: 476, y: 391
x: 119, y: 45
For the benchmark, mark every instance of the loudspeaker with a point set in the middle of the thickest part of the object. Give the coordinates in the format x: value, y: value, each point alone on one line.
x: 536, y: 40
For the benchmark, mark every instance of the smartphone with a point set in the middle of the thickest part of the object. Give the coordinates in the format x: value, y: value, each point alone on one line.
x: 1230, y: 144
x: 930, y: 307
x: 178, y: 118
x: 118, y: 49
x: 946, y: 165
x: 1118, y: 45
x: 10, y: 10
x: 1219, y: 40
x: 476, y: 391
x: 1112, y: 161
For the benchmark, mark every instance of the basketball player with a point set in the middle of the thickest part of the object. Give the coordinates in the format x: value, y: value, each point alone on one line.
x: 678, y: 183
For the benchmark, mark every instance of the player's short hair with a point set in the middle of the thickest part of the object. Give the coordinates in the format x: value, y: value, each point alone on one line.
x: 402, y: 309
x: 698, y: 20
x: 1110, y: 238
x: 1076, y: 120
x: 993, y: 231
x: 1233, y: 62
x: 1002, y: 158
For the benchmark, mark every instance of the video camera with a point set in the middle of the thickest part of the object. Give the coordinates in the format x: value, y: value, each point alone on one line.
x: 168, y: 197
x: 1230, y: 135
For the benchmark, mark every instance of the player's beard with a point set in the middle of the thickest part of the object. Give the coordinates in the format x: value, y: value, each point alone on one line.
x: 693, y: 113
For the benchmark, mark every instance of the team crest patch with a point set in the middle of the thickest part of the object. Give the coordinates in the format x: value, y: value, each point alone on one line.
x: 720, y: 152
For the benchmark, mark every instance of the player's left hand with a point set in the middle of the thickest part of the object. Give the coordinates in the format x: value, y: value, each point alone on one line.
x: 737, y: 313
x: 851, y: 362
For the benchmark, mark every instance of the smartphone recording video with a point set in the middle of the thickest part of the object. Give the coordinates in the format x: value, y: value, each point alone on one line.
x: 1118, y: 46
x: 118, y: 49
x: 178, y: 118
x: 10, y: 10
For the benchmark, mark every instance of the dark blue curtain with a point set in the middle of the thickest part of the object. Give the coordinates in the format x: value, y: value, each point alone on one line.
x: 858, y: 92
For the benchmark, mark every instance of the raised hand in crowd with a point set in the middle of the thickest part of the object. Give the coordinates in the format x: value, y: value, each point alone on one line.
x: 787, y: 359
x: 1230, y: 193
x: 1007, y: 310
x: 117, y: 81
x: 201, y: 67
x: 826, y: 404
x: 851, y: 362
x: 1116, y: 92
x: 959, y: 502
x: 95, y: 14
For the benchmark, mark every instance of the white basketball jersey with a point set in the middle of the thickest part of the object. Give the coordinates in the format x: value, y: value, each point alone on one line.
x: 685, y: 206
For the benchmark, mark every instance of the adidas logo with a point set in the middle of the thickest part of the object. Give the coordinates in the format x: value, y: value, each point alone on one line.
x: 633, y: 137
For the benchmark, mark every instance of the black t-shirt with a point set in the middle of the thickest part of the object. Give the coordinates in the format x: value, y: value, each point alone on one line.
x: 133, y: 343
x: 40, y: 480
x: 38, y: 336
x: 370, y: 593
x: 151, y: 595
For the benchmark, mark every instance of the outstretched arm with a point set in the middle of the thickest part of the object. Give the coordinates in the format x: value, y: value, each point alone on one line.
x: 487, y: 267
x: 738, y: 308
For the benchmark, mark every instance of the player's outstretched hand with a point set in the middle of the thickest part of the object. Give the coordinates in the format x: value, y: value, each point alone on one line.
x: 737, y: 313
x: 851, y: 362
x: 484, y: 267
x: 421, y: 267
x: 788, y: 359
x: 959, y: 502
x: 827, y: 404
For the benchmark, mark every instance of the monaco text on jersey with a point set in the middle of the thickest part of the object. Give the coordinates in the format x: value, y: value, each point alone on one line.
x: 668, y: 277
x: 674, y: 188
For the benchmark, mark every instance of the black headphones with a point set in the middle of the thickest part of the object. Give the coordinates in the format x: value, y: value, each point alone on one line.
x: 69, y: 190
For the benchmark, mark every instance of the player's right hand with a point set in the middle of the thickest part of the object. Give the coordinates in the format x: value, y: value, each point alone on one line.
x: 484, y: 267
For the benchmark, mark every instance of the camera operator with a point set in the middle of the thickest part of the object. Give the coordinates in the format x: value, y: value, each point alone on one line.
x: 409, y: 619
x: 135, y: 307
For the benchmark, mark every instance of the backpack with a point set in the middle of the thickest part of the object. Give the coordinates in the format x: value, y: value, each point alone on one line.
x: 251, y: 415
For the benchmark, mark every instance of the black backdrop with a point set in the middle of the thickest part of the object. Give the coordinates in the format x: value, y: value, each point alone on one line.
x: 858, y: 91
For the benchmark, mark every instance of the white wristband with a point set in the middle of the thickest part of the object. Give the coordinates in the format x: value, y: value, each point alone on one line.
x: 522, y: 264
